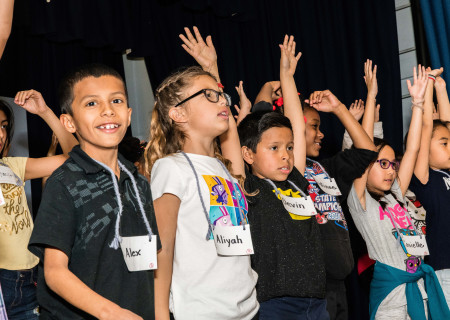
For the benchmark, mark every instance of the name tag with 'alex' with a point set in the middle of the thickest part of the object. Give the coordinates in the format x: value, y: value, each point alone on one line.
x: 328, y: 185
x: 299, y: 206
x: 139, y: 253
x: 233, y: 241
x: 416, y: 245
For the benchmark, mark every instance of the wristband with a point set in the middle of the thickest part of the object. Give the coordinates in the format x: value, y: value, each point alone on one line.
x: 431, y: 77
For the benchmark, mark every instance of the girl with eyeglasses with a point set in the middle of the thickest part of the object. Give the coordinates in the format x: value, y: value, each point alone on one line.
x: 377, y: 205
x: 196, y: 192
x: 431, y: 180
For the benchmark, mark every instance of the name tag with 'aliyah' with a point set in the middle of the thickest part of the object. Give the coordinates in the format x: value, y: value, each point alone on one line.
x: 416, y: 245
x: 139, y: 253
x: 233, y: 240
x: 327, y: 185
x: 299, y: 206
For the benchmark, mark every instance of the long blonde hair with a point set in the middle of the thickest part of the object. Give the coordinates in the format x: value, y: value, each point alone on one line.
x: 166, y: 137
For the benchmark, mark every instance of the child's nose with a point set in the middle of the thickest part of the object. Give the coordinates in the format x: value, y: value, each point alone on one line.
x: 107, y: 110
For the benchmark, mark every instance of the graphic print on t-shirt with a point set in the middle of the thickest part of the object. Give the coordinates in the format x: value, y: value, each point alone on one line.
x: 16, y: 214
x: 404, y: 223
x: 225, y: 200
x: 327, y: 205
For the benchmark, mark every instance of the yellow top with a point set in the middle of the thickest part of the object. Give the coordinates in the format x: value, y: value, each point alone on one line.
x: 16, y: 223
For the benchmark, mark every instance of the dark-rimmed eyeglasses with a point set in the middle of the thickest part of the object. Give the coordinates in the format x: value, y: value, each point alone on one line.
x: 210, y: 94
x: 385, y: 163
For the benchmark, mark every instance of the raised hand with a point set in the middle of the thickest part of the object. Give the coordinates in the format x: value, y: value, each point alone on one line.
x: 417, y: 89
x: 357, y: 109
x: 324, y: 101
x: 204, y: 53
x: 244, y: 103
x: 288, y: 61
x: 32, y: 101
x: 435, y: 72
x: 370, y: 77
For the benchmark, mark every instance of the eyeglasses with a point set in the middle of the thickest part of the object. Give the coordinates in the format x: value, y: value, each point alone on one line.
x: 210, y: 94
x: 385, y: 163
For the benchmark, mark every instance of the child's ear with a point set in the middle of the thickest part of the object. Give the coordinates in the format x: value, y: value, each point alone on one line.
x: 247, y: 155
x: 68, y: 123
x: 130, y: 111
x: 178, y: 114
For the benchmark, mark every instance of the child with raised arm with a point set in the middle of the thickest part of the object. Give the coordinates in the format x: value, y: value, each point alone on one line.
x: 18, y: 266
x: 199, y: 203
x: 431, y: 182
x: 93, y: 204
x: 376, y: 202
x: 288, y: 251
x: 330, y: 181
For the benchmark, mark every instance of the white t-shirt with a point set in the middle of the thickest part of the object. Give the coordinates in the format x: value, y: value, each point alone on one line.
x: 204, y: 284
x: 378, y: 230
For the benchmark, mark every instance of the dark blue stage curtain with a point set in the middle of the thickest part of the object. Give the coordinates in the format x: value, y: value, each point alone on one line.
x: 335, y: 37
x: 436, y: 19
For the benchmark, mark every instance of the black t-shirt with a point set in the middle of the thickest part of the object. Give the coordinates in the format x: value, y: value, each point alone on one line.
x: 77, y: 215
x: 435, y: 198
x: 288, y: 252
x: 344, y: 168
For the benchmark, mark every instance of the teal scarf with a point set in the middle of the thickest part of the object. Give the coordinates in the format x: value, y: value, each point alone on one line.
x: 387, y: 278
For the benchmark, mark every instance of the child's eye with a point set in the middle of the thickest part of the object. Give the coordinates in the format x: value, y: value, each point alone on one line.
x: 290, y: 148
x: 273, y: 148
x: 117, y: 101
x: 91, y: 104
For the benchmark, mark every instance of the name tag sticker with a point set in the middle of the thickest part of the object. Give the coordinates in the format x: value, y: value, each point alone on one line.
x: 416, y: 245
x: 299, y: 206
x: 139, y: 253
x: 327, y: 185
x: 233, y: 241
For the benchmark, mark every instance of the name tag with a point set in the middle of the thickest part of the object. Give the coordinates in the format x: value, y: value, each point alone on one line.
x: 139, y: 253
x: 299, y: 206
x: 328, y: 185
x: 416, y: 245
x: 8, y: 176
x: 233, y: 241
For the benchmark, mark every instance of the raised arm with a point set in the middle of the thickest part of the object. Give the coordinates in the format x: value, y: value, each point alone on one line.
x: 356, y: 109
x: 269, y: 92
x: 325, y: 101
x: 442, y: 98
x: 292, y: 106
x: 417, y: 92
x: 32, y: 101
x: 203, y: 52
x: 370, y: 77
x: 421, y: 170
x: 6, y: 16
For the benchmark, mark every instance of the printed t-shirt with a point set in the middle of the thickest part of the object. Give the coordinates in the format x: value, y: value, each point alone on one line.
x: 204, y: 284
x: 435, y: 198
x: 16, y: 222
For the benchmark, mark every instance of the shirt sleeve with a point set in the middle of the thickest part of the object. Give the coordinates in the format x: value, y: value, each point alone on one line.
x: 167, y: 177
x: 348, y: 165
x: 55, y: 225
x: 17, y: 164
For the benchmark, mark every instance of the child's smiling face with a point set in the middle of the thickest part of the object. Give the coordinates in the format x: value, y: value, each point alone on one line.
x: 100, y: 113
x: 440, y: 148
x: 313, y: 134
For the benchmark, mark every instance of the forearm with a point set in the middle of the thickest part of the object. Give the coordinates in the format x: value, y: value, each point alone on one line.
x: 293, y: 111
x: 369, y: 116
x: 443, y: 101
x: 359, y: 137
x: 163, y: 280
x: 231, y: 147
x: 6, y: 15
x: 265, y: 94
x: 65, y: 138
x: 65, y: 284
